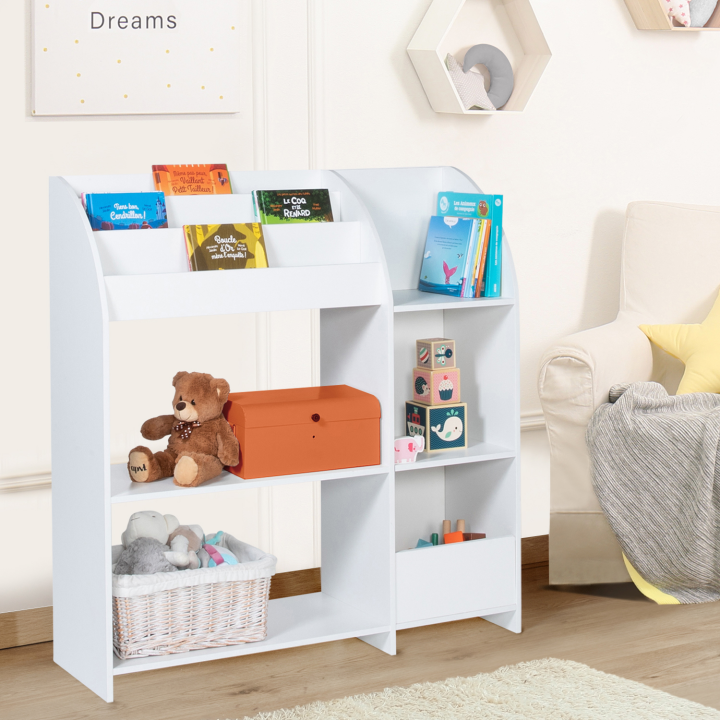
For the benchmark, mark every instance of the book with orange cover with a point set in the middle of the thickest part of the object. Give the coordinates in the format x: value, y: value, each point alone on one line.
x: 192, y: 179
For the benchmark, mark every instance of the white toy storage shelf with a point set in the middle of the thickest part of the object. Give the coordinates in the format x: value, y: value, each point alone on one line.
x: 360, y: 272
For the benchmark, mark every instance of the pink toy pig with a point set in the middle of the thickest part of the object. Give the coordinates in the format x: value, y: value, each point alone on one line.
x: 407, y: 448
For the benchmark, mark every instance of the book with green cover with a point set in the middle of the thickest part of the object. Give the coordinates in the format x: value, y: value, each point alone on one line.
x: 273, y: 207
x: 225, y: 247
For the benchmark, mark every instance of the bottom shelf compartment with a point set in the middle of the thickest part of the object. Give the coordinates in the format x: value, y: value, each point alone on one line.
x: 292, y: 621
x: 447, y: 582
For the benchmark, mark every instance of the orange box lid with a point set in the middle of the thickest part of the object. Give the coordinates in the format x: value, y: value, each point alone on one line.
x: 296, y: 406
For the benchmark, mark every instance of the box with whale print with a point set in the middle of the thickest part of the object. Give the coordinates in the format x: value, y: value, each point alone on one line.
x: 444, y: 427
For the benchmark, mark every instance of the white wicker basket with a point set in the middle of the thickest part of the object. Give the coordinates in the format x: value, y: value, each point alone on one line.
x: 193, y: 609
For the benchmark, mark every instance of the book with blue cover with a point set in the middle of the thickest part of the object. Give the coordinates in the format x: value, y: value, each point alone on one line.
x: 125, y: 211
x: 447, y: 249
x: 475, y: 205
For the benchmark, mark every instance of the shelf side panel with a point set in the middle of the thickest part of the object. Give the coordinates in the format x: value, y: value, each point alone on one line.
x: 648, y: 15
x: 82, y: 623
x: 400, y: 201
x: 358, y: 514
x: 357, y: 552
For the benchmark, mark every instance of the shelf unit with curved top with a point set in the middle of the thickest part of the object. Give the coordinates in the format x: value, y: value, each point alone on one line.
x: 359, y: 272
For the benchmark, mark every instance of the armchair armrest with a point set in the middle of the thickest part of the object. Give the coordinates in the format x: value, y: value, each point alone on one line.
x: 576, y: 374
x: 575, y: 378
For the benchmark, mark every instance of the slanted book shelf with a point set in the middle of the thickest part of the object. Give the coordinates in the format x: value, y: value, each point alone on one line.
x: 360, y: 272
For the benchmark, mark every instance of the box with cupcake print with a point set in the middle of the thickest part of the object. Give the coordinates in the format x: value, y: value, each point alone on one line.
x: 435, y: 353
x: 443, y: 427
x: 436, y: 387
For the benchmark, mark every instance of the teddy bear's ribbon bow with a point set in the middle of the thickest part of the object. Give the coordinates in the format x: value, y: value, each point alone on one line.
x: 185, y: 428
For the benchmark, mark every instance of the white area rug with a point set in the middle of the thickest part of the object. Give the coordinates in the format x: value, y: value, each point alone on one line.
x: 539, y: 690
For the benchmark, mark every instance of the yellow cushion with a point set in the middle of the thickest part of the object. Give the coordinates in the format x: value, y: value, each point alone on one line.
x: 647, y: 589
x: 698, y: 346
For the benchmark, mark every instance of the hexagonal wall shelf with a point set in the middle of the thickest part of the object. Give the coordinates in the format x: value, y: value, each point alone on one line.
x: 652, y: 15
x: 453, y: 26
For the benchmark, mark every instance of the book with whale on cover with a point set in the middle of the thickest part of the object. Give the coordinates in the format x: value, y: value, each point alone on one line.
x: 125, y: 211
x: 490, y: 207
x: 448, y: 254
x: 273, y: 207
x: 225, y: 247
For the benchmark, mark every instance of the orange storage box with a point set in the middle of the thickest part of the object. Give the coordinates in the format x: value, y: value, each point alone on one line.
x: 302, y: 430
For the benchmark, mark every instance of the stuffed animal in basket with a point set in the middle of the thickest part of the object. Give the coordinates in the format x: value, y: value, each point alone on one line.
x: 201, y: 440
x: 155, y: 543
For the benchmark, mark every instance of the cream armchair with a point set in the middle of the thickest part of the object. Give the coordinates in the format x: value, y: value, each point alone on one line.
x: 670, y: 273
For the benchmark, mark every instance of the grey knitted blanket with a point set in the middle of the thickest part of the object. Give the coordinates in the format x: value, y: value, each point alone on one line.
x: 656, y: 473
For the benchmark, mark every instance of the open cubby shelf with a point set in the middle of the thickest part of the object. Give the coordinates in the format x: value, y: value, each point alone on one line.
x: 357, y: 272
x: 292, y: 621
x: 653, y: 15
x: 454, y: 26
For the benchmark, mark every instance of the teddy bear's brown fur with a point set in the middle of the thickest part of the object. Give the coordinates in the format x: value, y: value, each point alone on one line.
x: 201, y: 440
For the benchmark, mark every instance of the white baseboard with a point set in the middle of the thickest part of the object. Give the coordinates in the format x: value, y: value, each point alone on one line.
x: 25, y: 481
x: 532, y: 421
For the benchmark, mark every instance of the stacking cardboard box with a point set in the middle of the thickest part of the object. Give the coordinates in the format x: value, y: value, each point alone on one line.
x: 436, y: 411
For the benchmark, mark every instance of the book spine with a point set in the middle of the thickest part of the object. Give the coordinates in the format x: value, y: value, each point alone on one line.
x: 480, y: 287
x: 187, y: 232
x: 494, y: 263
x: 467, y: 279
x: 471, y: 258
x: 476, y: 258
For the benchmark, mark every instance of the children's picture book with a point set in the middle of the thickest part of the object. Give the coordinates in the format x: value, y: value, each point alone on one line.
x: 484, y: 233
x: 192, y: 179
x: 125, y: 211
x: 225, y: 247
x: 449, y: 240
x: 273, y: 207
x: 490, y: 207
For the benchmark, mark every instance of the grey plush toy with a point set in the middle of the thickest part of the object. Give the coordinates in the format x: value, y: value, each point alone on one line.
x: 143, y: 557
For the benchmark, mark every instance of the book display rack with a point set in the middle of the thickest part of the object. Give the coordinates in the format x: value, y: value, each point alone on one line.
x: 361, y: 272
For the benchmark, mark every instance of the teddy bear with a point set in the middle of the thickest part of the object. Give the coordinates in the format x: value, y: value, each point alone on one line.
x: 201, y: 440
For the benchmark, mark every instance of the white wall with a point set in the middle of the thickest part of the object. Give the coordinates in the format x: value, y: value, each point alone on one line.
x: 619, y: 115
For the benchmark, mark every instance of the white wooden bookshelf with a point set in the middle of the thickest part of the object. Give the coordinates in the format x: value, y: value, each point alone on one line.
x: 360, y: 271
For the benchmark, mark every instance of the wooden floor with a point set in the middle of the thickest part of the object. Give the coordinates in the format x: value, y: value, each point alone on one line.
x: 610, y: 628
